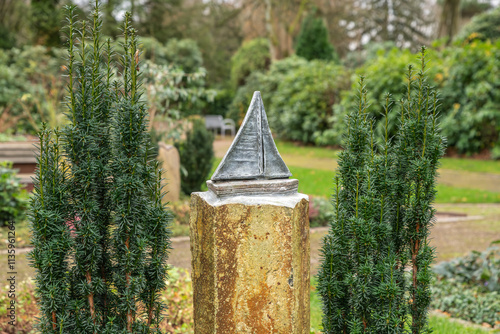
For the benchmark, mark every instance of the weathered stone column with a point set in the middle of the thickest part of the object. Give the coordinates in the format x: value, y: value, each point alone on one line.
x: 250, y: 240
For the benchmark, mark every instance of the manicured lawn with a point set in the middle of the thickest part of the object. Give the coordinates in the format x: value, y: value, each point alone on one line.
x: 320, y: 183
x: 449, y: 194
x: 471, y: 165
x: 288, y: 148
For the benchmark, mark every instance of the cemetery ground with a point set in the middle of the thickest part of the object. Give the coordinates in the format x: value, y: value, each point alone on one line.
x: 468, y: 196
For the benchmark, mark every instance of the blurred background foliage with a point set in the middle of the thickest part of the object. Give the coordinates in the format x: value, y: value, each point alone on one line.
x: 207, y: 57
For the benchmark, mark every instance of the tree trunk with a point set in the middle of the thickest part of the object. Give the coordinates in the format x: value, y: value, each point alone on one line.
x: 273, y: 39
x: 450, y: 19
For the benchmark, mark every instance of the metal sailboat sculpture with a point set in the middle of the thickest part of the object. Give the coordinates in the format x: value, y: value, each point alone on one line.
x: 253, y: 154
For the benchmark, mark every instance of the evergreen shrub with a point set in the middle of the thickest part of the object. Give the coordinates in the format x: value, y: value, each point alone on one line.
x: 197, y: 155
x: 312, y: 41
x: 29, y: 90
x: 184, y: 53
x: 383, y: 213
x: 13, y: 199
x: 99, y: 229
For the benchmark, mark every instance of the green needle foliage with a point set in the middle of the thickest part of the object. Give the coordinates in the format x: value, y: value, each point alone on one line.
x: 312, y: 41
x: 100, y: 232
x: 376, y: 257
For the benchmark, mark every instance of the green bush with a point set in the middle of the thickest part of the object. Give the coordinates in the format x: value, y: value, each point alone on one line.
x: 370, y: 52
x: 250, y: 57
x: 266, y: 82
x: 471, y: 98
x: 13, y: 199
x: 184, y: 53
x: 30, y: 89
x: 197, y: 155
x: 7, y: 38
x: 302, y: 106
x: 220, y: 104
x: 483, y: 27
x: 299, y: 96
x: 312, y: 41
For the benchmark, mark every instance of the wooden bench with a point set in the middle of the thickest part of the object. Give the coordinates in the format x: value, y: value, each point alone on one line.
x: 22, y: 155
x: 217, y: 122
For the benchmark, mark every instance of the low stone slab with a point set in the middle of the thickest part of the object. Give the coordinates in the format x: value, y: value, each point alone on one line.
x: 254, y: 187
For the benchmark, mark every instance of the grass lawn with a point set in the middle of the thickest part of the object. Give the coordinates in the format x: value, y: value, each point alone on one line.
x: 462, y: 180
x: 288, y: 148
x: 320, y: 183
x: 460, y: 164
x: 471, y: 165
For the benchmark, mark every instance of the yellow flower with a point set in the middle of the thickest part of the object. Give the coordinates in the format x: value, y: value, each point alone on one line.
x: 473, y: 35
x: 456, y: 106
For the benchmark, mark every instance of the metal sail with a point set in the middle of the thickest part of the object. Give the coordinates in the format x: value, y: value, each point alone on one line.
x: 253, y: 154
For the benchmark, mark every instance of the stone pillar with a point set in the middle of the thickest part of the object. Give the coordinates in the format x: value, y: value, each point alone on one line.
x: 250, y: 246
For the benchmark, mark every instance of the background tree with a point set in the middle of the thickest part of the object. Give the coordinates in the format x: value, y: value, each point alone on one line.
x: 277, y: 20
x: 110, y: 24
x: 13, y: 31
x: 46, y: 19
x: 482, y: 27
x: 312, y: 41
x: 402, y: 22
x: 449, y: 21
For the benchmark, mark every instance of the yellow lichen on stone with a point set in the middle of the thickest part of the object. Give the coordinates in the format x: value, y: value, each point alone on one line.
x: 250, y: 266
